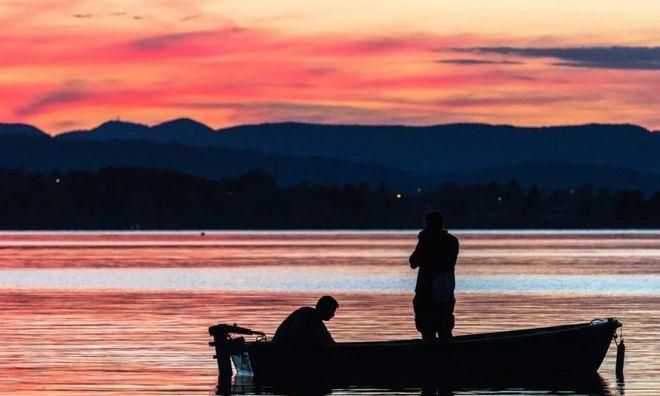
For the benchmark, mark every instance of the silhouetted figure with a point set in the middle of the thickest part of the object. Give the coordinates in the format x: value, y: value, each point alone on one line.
x: 305, y: 325
x: 435, y: 256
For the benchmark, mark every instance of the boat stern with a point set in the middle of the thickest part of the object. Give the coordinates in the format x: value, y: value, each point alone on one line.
x: 230, y: 346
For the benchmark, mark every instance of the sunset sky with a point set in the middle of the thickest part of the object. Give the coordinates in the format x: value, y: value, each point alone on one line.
x: 69, y: 64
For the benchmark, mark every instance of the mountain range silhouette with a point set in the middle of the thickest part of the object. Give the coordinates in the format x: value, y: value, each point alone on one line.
x: 614, y: 156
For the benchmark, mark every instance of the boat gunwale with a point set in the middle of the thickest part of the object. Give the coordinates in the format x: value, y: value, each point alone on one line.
x: 464, y: 339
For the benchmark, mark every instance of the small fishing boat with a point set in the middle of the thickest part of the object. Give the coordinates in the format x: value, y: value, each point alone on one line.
x: 560, y: 351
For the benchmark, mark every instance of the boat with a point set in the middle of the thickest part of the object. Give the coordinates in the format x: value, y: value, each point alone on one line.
x: 575, y: 350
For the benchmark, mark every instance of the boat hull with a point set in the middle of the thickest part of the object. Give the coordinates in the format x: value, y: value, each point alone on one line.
x: 573, y: 350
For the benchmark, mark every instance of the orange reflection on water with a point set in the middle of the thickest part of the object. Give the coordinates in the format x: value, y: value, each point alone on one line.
x: 481, y: 253
x: 119, y: 343
x: 139, y: 342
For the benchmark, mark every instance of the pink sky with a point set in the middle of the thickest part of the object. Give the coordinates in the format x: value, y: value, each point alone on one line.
x: 67, y: 64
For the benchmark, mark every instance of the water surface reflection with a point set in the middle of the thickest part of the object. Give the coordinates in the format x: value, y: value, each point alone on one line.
x: 59, y: 342
x: 127, y: 313
x: 593, y: 385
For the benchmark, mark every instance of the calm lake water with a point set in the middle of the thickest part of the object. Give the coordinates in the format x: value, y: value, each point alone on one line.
x: 127, y: 313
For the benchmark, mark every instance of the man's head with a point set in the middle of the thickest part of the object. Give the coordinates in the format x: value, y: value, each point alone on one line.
x: 326, y: 307
x: 434, y: 220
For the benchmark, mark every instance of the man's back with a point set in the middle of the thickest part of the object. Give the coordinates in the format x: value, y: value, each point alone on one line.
x: 436, y: 253
x: 303, y: 327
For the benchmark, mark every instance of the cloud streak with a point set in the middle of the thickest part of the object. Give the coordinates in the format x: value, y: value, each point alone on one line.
x: 190, y: 17
x: 234, y: 74
x: 516, y: 100
x: 165, y: 41
x: 477, y: 62
x: 282, y: 111
x: 70, y: 93
x: 614, y: 57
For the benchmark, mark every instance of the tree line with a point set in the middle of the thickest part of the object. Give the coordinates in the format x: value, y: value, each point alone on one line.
x: 135, y: 198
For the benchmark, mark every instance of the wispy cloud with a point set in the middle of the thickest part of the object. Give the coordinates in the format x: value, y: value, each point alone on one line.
x: 71, y: 92
x: 203, y: 71
x: 614, y: 57
x: 477, y: 62
x: 513, y: 100
x: 166, y: 41
x: 279, y: 111
x: 105, y: 15
x: 64, y: 125
x: 190, y: 17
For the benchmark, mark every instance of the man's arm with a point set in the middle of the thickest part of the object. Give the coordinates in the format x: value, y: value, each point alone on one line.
x: 454, y: 253
x: 417, y: 257
x: 323, y: 336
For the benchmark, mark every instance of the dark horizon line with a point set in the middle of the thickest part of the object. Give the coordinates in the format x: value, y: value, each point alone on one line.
x: 327, y: 124
x: 255, y: 200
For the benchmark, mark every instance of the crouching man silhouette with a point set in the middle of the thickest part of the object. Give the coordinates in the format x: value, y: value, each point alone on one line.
x: 305, y: 327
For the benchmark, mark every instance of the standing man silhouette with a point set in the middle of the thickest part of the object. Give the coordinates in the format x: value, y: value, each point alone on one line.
x: 435, y: 256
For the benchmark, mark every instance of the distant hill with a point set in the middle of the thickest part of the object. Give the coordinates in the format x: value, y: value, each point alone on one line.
x: 457, y: 147
x: 428, y: 150
x: 617, y: 156
x: 21, y: 129
x: 183, y: 131
x: 45, y: 155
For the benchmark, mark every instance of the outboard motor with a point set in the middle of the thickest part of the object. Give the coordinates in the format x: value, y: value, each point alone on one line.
x: 227, y: 346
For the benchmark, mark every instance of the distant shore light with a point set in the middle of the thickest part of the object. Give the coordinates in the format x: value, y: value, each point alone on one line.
x: 399, y: 195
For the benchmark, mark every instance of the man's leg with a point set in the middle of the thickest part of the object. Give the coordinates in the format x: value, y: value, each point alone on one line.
x: 447, y: 321
x: 424, y: 318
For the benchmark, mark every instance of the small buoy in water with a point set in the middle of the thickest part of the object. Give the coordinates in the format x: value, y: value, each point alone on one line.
x: 620, y: 357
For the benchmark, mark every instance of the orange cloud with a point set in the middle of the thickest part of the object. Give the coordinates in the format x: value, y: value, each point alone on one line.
x: 231, y: 74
